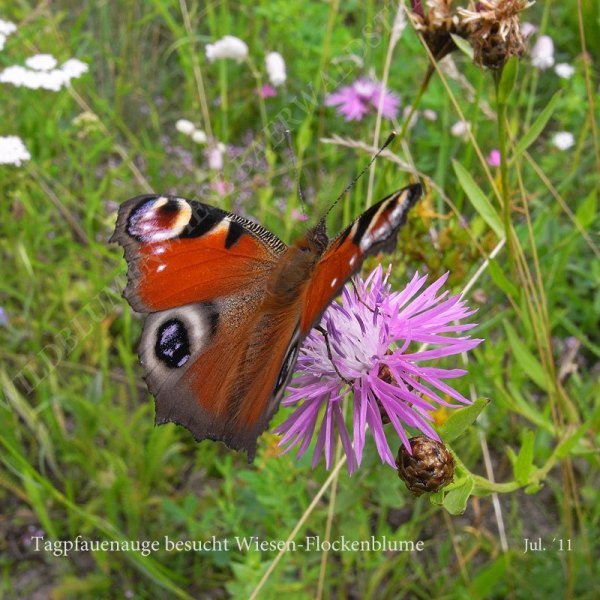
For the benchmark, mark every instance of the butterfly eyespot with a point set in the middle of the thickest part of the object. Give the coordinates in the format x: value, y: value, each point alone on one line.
x: 172, y: 344
x: 159, y: 219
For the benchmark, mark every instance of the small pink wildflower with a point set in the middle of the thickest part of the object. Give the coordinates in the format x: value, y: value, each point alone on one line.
x: 298, y: 215
x: 266, y: 91
x: 494, y: 158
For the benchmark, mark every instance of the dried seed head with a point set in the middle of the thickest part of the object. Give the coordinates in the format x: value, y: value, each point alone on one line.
x: 494, y: 31
x: 438, y: 25
x: 429, y: 469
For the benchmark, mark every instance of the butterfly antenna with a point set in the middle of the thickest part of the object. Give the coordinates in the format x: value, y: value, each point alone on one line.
x: 288, y: 138
x: 387, y: 142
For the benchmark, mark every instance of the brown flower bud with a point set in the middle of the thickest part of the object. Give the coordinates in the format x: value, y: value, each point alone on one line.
x: 429, y: 469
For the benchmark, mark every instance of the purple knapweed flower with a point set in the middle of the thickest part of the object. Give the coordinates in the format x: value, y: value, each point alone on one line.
x: 356, y: 100
x: 376, y: 339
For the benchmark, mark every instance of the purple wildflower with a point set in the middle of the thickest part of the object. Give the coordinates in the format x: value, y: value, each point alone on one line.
x: 494, y: 158
x: 371, y: 332
x: 356, y: 100
x: 266, y: 91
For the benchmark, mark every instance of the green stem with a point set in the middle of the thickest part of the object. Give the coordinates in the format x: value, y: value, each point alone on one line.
x: 504, y: 189
x: 416, y: 102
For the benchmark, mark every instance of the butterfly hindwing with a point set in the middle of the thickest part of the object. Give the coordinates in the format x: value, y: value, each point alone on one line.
x: 376, y: 230
x: 214, y: 370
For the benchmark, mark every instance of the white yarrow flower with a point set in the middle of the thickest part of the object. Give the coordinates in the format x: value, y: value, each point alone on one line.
x: 199, y: 136
x: 12, y: 150
x: 184, y: 126
x: 74, y: 68
x: 227, y: 47
x: 564, y: 70
x: 6, y: 28
x: 41, y: 62
x: 47, y: 79
x: 542, y: 53
x: 460, y: 129
x: 275, y: 68
x: 430, y: 115
x: 563, y: 140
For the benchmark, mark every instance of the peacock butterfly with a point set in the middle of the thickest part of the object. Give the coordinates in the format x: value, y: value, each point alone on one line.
x: 228, y: 304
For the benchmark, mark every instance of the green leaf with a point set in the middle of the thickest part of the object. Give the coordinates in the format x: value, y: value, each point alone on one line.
x: 460, y: 419
x: 455, y: 501
x: 587, y: 210
x: 524, y: 462
x: 478, y: 199
x: 537, y: 127
x: 567, y: 444
x: 462, y: 45
x: 507, y: 80
x: 526, y: 361
x: 500, y: 279
x: 486, y: 580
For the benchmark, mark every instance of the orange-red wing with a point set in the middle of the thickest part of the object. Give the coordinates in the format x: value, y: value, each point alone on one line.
x: 180, y: 251
x: 374, y: 231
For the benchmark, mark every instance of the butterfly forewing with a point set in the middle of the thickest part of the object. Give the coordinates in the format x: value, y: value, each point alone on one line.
x: 376, y: 230
x: 180, y: 251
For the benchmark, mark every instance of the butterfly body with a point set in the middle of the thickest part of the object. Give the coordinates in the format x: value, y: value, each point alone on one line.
x: 229, y: 304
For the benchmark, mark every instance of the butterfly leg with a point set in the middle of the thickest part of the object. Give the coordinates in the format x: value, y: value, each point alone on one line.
x: 358, y: 296
x: 329, y: 355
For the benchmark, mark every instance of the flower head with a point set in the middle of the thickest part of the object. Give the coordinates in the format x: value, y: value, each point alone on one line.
x: 40, y: 72
x: 215, y: 156
x: 275, y: 68
x: 184, y: 126
x: 494, y: 158
x: 364, y: 95
x: 528, y: 29
x: 6, y: 28
x: 438, y: 25
x: 542, y: 53
x: 494, y: 30
x: 298, y: 215
x: 564, y: 70
x: 227, y: 47
x: 41, y: 62
x: 563, y: 140
x: 266, y: 91
x: 460, y: 129
x: 371, y: 352
x: 13, y: 151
